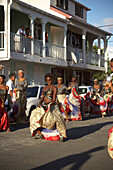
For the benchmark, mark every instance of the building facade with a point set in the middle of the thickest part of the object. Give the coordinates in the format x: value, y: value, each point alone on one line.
x: 59, y: 35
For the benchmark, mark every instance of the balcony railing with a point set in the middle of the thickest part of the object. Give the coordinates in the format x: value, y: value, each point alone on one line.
x: 78, y: 53
x: 90, y: 58
x: 22, y: 44
x: 95, y: 59
x: 54, y: 51
x: 38, y: 47
x: 1, y: 40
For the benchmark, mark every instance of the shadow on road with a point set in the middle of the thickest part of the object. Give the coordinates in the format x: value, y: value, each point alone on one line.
x: 15, y: 127
x: 77, y: 160
x: 79, y: 132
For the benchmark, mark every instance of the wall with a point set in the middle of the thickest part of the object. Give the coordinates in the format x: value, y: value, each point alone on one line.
x: 41, y: 4
x: 17, y: 20
x: 39, y: 72
x: 57, y: 35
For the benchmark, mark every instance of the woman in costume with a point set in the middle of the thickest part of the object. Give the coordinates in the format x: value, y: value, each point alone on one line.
x: 20, y: 88
x: 71, y: 104
x: 96, y: 101
x: 61, y: 96
x: 46, y: 118
x: 96, y: 86
x: 73, y: 84
x: 4, y: 120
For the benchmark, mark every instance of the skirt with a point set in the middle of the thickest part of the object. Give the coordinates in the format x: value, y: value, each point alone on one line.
x: 51, y: 120
x: 4, y: 119
x: 72, y: 105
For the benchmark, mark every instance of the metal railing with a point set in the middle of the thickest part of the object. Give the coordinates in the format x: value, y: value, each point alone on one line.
x: 1, y: 40
x: 54, y: 51
x: 38, y: 47
x: 95, y: 59
x: 77, y: 52
x: 102, y: 61
x: 90, y: 57
x: 20, y: 43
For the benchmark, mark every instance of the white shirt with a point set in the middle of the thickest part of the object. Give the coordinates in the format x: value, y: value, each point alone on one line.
x: 21, y: 31
x: 10, y: 84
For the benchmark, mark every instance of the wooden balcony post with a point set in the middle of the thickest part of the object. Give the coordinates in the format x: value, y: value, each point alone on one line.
x: 65, y: 43
x: 99, y: 46
x: 43, y: 37
x: 32, y: 33
x: 105, y: 54
x: 84, y: 45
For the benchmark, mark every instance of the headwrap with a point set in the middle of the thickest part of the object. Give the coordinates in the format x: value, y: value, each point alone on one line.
x: 21, y: 71
x: 59, y: 78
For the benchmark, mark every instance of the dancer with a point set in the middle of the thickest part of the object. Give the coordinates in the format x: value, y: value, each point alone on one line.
x: 73, y: 84
x: 4, y: 120
x: 61, y: 96
x: 48, y: 115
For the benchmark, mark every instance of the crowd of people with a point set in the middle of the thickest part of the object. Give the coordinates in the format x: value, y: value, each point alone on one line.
x: 58, y: 103
x: 14, y: 94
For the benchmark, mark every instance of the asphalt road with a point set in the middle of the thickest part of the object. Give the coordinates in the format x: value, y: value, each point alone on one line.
x: 85, y: 148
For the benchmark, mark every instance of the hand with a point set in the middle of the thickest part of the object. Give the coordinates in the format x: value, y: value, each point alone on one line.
x: 15, y: 89
x: 69, y: 87
x: 39, y: 105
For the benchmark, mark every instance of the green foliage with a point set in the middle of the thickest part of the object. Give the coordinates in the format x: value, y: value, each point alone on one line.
x: 101, y: 76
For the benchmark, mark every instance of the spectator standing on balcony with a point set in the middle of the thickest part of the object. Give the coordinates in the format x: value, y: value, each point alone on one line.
x: 28, y: 40
x: 21, y: 31
x: 21, y: 87
x: 19, y: 40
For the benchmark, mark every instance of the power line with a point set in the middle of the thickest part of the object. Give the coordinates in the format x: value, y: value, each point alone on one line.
x: 105, y: 25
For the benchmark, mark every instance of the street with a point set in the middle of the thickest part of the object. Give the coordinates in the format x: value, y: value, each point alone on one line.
x: 84, y: 149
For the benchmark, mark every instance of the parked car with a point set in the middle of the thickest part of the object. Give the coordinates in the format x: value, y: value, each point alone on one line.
x: 33, y: 97
x: 83, y: 90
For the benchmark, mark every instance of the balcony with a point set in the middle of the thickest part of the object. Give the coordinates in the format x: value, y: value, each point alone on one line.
x: 91, y: 58
x: 22, y: 44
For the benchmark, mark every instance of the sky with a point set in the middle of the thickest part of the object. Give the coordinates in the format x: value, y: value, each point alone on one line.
x: 101, y: 14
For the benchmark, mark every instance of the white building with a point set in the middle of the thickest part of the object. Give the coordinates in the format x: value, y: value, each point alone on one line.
x: 65, y: 21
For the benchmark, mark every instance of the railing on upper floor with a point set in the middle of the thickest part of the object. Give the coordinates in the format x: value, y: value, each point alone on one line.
x: 77, y: 52
x: 54, y: 51
x: 38, y: 47
x: 95, y: 59
x: 91, y: 58
x: 22, y: 44
x: 1, y: 40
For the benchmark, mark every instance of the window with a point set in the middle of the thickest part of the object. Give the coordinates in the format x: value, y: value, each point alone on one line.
x: 62, y: 4
x: 82, y: 91
x: 78, y: 10
x: 32, y: 92
x: 1, y: 18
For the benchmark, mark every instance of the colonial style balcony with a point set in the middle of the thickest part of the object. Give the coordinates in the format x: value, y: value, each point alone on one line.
x: 91, y: 58
x: 22, y: 44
